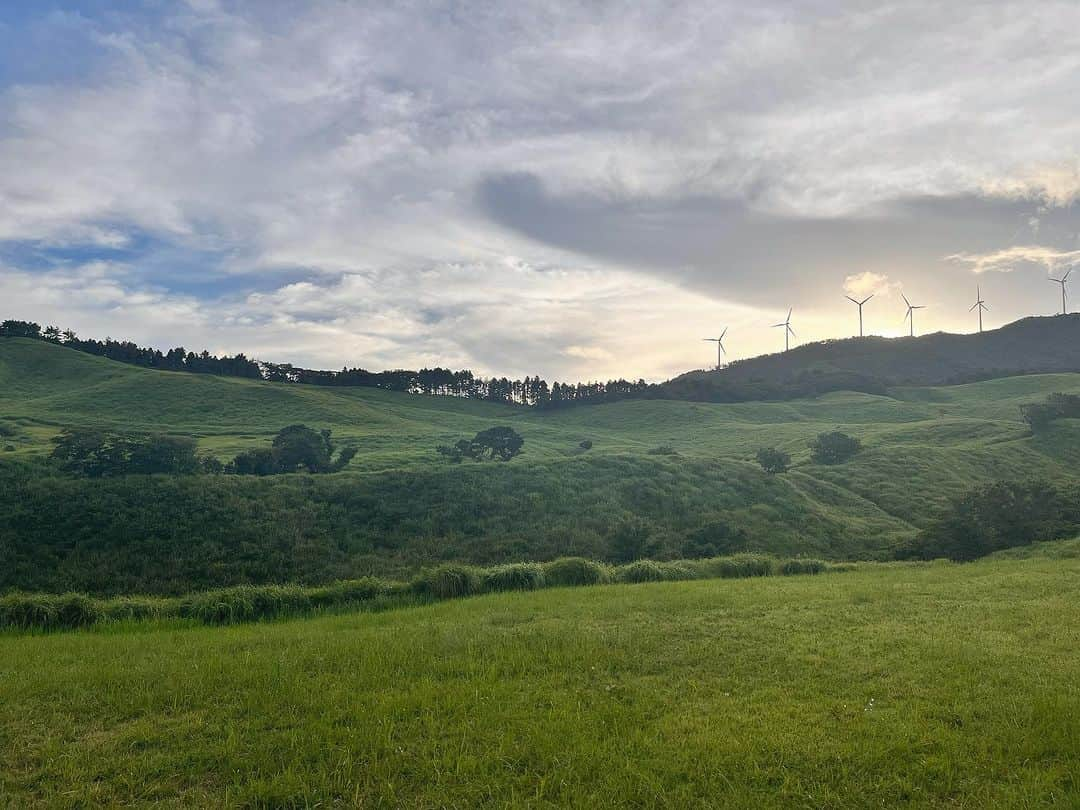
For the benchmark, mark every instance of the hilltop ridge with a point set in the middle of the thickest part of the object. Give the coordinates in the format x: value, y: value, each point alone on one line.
x: 1036, y: 345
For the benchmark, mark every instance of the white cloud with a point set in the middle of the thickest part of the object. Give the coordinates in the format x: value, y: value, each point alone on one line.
x: 1005, y: 261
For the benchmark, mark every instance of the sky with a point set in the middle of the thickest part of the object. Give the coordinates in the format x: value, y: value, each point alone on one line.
x: 581, y: 190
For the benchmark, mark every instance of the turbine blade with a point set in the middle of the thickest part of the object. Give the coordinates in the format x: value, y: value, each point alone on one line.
x: 1066, y: 276
x: 907, y: 314
x: 976, y: 304
x: 790, y: 329
x: 905, y: 299
x: 788, y: 315
x: 871, y: 295
x: 778, y: 324
x: 722, y: 334
x: 852, y: 300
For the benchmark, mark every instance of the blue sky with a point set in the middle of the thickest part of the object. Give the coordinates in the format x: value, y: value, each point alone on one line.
x: 577, y: 190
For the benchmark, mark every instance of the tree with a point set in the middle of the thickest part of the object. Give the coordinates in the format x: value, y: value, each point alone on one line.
x: 773, y: 461
x: 98, y: 454
x: 713, y: 540
x: 298, y: 447
x: 497, y: 443
x: 834, y: 447
x: 630, y: 539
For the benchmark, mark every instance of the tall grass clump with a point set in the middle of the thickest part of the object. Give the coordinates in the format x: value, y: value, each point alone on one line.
x: 514, y: 577
x: 792, y: 567
x: 351, y: 591
x: 575, y: 571
x: 246, y: 603
x: 640, y: 571
x: 48, y: 612
x: 449, y: 581
x: 740, y: 566
x: 133, y: 608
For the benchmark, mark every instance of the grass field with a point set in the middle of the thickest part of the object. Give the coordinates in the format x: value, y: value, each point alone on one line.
x: 399, y: 505
x: 892, y: 685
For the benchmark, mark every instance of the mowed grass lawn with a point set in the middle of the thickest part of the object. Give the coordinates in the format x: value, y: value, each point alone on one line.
x: 923, y: 685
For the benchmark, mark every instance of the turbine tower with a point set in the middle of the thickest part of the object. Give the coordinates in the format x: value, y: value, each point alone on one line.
x: 910, y: 316
x: 981, y: 305
x: 859, y: 305
x: 720, y: 350
x: 787, y: 329
x: 1062, y: 281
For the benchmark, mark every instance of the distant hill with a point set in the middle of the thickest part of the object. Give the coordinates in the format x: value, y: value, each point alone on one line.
x: 874, y: 364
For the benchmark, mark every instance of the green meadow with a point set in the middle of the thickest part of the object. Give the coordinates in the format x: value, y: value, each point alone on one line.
x: 914, y: 685
x: 680, y: 470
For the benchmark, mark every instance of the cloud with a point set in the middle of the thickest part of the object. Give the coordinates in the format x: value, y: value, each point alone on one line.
x: 1017, y: 256
x: 864, y: 284
x: 493, y: 184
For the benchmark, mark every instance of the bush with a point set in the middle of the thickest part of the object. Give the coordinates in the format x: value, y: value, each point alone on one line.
x: 514, y: 577
x: 773, y: 461
x: 792, y: 567
x: 997, y: 516
x: 663, y: 450
x: 713, y: 540
x: 834, y: 447
x: 574, y: 571
x: 586, y: 445
x: 497, y: 443
x: 448, y: 581
x: 630, y: 539
x: 9, y: 448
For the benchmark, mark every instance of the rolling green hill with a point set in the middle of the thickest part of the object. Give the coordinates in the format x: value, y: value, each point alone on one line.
x: 399, y: 505
x: 926, y: 685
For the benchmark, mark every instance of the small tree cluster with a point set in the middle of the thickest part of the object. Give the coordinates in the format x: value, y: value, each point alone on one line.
x: 497, y: 444
x: 773, y: 461
x: 296, y: 448
x: 834, y: 447
x: 1057, y: 406
x: 100, y: 454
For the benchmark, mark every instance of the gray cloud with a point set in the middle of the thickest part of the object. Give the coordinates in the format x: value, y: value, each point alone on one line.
x: 504, y: 184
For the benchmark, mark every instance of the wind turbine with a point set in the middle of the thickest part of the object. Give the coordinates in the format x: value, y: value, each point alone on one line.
x: 859, y: 305
x: 720, y: 350
x: 911, y: 312
x: 787, y: 329
x: 980, y: 304
x: 1062, y: 281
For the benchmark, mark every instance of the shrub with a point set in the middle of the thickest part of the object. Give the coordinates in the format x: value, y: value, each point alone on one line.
x: 9, y: 448
x: 6, y: 430
x: 674, y: 571
x: 714, y: 539
x: 834, y: 447
x: 586, y: 445
x: 497, y: 443
x: 773, y: 461
x: 514, y: 577
x: 997, y: 516
x: 574, y: 571
x: 448, y: 581
x: 630, y: 539
x: 640, y: 571
x: 792, y: 567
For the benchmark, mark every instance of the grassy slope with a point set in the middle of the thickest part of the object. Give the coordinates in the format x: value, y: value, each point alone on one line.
x: 916, y: 685
x: 921, y: 444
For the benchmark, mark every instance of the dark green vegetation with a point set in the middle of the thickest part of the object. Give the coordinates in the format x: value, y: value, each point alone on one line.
x: 1039, y: 415
x: 922, y: 685
x: 875, y: 364
x: 399, y: 506
x: 833, y: 447
x: 242, y: 603
x: 497, y: 444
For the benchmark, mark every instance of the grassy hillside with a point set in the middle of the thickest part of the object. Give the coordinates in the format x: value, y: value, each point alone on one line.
x: 399, y: 505
x: 914, y: 685
x: 1037, y: 345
